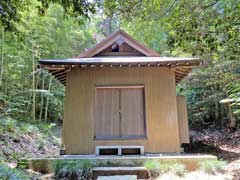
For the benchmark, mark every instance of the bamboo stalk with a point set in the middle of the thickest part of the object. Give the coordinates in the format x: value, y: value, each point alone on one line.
x: 46, y: 109
x: 41, y: 110
x: 33, y: 85
x: 2, y: 53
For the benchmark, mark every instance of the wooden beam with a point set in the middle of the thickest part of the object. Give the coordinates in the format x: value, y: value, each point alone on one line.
x: 63, y: 78
x: 60, y: 76
x: 186, y: 68
x: 58, y: 73
x: 63, y: 81
x: 54, y: 66
x: 180, y: 77
x: 119, y: 54
x: 181, y: 73
x: 178, y: 65
x: 54, y: 71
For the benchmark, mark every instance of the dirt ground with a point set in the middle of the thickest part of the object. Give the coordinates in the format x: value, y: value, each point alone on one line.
x: 222, y: 143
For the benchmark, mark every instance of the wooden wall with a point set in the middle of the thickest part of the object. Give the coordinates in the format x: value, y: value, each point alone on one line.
x: 161, y: 107
x: 182, y: 119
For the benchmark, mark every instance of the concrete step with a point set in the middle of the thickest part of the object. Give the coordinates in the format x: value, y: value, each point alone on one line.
x: 46, y: 165
x: 139, y: 172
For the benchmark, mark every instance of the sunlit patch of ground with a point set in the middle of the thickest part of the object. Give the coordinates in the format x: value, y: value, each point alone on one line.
x: 222, y: 143
x: 196, y: 175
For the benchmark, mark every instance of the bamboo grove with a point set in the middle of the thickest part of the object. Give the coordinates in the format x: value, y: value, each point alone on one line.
x: 207, y: 29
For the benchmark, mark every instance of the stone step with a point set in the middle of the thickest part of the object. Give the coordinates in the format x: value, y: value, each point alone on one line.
x: 139, y: 172
x: 125, y: 177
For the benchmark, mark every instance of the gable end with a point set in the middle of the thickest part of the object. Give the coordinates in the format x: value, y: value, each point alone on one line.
x: 118, y: 44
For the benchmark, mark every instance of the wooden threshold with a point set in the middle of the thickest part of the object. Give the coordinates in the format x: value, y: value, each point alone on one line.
x: 119, y: 86
x: 143, y: 137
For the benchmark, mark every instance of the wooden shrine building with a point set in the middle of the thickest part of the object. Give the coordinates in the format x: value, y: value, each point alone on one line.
x: 121, y: 99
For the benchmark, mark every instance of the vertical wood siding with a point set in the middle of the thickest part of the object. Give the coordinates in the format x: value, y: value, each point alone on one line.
x: 161, y: 107
x: 182, y: 119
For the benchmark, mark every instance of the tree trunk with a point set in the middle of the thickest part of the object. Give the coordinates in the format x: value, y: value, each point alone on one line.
x: 217, y: 119
x: 222, y: 113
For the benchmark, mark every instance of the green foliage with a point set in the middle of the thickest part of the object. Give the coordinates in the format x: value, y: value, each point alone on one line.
x: 10, y: 12
x: 149, y: 33
x: 178, y: 169
x: 212, y: 166
x: 54, y: 35
x: 46, y: 128
x: 7, y: 173
x: 156, y: 168
x: 8, y: 124
x: 207, y: 29
x: 28, y: 128
x: 12, y: 125
x: 73, y: 169
x: 22, y: 164
x: 204, y: 28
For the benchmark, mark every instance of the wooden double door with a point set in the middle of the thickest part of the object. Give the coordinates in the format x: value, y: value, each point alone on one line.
x: 120, y: 113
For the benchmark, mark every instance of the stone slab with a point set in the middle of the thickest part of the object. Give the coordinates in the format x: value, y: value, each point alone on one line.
x: 139, y: 172
x: 117, y: 177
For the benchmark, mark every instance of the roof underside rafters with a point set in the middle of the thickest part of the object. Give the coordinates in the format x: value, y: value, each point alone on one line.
x: 59, y: 68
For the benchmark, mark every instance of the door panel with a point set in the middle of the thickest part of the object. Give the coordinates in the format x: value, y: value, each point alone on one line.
x: 107, y: 113
x: 132, y: 112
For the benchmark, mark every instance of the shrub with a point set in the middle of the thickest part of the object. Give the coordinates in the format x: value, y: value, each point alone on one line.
x: 46, y: 127
x: 28, y: 128
x: 178, y: 169
x: 1, y: 129
x: 7, y: 173
x: 74, y: 170
x: 212, y: 166
x: 8, y: 124
x: 151, y: 164
x: 22, y: 164
x: 156, y: 168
